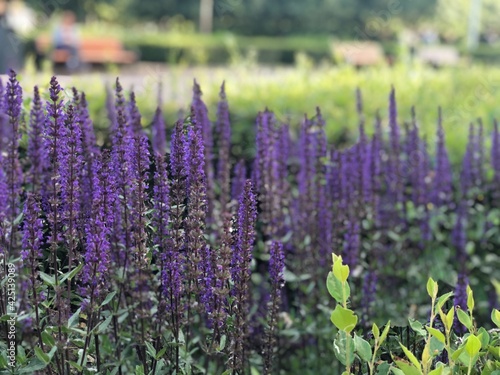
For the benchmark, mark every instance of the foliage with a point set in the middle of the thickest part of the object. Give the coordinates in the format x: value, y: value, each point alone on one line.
x: 134, y: 254
x: 443, y: 350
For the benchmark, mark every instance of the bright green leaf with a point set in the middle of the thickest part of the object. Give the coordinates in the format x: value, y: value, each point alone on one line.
x: 407, y: 368
x: 334, y: 287
x: 344, y: 319
x: 437, y: 371
x: 411, y: 357
x: 495, y: 317
x: 472, y: 345
x: 340, y: 271
x: 484, y: 337
x: 363, y: 348
x: 417, y: 327
x: 450, y: 316
x: 442, y: 300
x: 464, y: 318
x: 375, y: 331
x: 385, y: 332
x: 470, y: 299
x: 432, y: 288
x: 437, y: 334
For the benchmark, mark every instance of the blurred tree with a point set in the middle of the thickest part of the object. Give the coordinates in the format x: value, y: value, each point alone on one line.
x: 452, y: 18
x: 373, y: 19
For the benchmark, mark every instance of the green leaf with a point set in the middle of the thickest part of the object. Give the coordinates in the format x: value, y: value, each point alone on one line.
x: 411, y: 357
x: 464, y: 318
x: 76, y: 365
x: 151, y: 350
x: 442, y: 300
x: 385, y: 332
x: 472, y: 345
x: 334, y: 287
x: 375, y: 331
x: 340, y: 271
x: 417, y: 327
x: 456, y: 354
x: 41, y: 355
x: 49, y: 279
x: 139, y: 370
x: 344, y: 319
x: 108, y: 299
x: 34, y: 365
x: 437, y: 334
x: 432, y: 288
x: 104, y: 325
x: 484, y: 337
x: 73, y: 320
x: 48, y: 339
x: 160, y: 353
x: 470, y: 299
x: 448, y: 323
x: 363, y: 348
x: 407, y: 368
x: 383, y: 368
x: 72, y: 273
x: 222, y: 343
x: 437, y: 371
x: 436, y: 346
x: 343, y: 347
x: 495, y: 317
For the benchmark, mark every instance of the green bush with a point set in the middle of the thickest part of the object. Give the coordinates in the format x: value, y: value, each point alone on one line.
x: 476, y: 352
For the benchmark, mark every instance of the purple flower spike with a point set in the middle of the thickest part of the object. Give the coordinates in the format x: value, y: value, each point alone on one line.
x: 442, y: 175
x: 223, y: 129
x: 159, y: 135
x: 240, y: 273
x: 276, y: 273
x: 11, y: 165
x: 37, y: 153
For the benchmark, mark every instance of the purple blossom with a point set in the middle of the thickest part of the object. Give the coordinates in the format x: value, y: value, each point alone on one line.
x: 13, y: 98
x: 37, y: 153
x: 240, y: 273
x: 460, y: 300
x: 239, y: 179
x: 196, y: 203
x: 442, y: 173
x: 351, y: 244
x: 223, y: 130
x: 98, y: 228
x: 159, y: 135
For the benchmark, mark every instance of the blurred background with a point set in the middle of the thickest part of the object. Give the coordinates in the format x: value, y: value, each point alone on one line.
x: 289, y: 55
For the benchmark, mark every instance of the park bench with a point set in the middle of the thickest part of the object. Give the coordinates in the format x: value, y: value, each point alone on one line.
x: 439, y: 56
x: 358, y: 53
x: 104, y: 50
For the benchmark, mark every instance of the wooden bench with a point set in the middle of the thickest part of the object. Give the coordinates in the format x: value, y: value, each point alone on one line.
x: 103, y: 50
x: 439, y: 55
x: 358, y: 53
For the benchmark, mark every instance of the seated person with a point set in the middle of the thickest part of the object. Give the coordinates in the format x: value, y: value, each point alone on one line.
x: 66, y: 37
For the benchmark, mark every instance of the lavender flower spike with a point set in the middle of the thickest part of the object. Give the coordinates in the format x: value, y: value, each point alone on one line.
x: 240, y: 273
